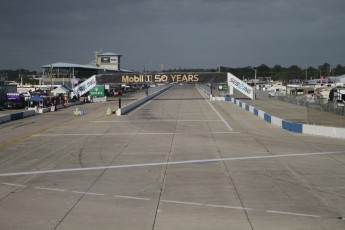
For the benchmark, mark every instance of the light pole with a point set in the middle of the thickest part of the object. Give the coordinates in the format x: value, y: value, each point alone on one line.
x: 254, y: 75
x: 254, y: 83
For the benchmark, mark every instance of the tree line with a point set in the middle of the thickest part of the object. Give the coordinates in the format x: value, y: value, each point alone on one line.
x: 277, y: 72
x: 293, y: 72
x: 20, y: 75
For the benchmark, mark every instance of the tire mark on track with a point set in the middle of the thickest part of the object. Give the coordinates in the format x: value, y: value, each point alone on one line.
x: 84, y: 193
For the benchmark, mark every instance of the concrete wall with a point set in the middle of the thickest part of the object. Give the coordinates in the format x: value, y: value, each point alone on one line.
x: 16, y: 116
x: 32, y: 112
x: 156, y: 89
x: 141, y: 101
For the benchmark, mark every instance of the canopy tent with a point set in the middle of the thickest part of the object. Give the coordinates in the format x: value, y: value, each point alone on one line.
x: 36, y: 98
x: 341, y: 79
x: 60, y: 90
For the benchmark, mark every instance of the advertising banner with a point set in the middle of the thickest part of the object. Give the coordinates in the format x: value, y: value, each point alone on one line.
x: 223, y: 87
x: 240, y: 86
x: 85, y: 86
x: 13, y: 96
x: 161, y: 78
x: 164, y: 77
x: 97, y: 91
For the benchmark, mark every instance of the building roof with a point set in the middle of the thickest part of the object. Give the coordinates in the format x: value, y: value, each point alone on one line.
x: 70, y: 65
x: 108, y: 54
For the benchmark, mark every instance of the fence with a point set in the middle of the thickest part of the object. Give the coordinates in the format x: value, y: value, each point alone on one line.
x: 311, y: 110
x: 308, y: 101
x: 315, y: 108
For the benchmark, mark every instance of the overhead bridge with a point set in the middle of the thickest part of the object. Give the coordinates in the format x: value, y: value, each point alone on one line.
x: 178, y: 77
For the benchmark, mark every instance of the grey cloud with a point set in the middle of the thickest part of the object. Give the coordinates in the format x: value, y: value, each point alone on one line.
x: 190, y: 33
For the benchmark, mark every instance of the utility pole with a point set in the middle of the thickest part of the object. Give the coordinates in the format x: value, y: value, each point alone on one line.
x: 254, y: 83
x: 51, y: 75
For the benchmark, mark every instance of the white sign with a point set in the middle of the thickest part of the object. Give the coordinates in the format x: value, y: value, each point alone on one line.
x: 240, y: 86
x: 85, y: 86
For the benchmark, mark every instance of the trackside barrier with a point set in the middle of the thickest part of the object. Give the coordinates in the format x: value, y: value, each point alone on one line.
x: 69, y: 104
x: 32, y: 112
x: 16, y: 116
x: 43, y: 110
x: 125, y: 109
x: 153, y: 90
x: 325, y: 131
x: 288, y: 125
x: 292, y: 126
x: 5, y: 118
x: 29, y: 113
x: 267, y: 117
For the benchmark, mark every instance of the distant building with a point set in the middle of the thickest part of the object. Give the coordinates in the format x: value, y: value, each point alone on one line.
x: 2, y: 92
x: 69, y: 74
x: 109, y: 61
x: 5, y: 87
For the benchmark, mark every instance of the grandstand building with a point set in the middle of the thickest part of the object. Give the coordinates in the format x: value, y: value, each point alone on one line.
x: 69, y: 74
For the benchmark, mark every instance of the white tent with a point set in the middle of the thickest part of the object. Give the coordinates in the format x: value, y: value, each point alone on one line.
x: 341, y: 79
x: 60, y: 90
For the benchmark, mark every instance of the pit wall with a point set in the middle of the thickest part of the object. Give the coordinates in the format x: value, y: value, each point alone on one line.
x: 158, y: 90
x: 16, y: 116
x: 32, y: 112
x: 20, y: 115
x: 287, y: 125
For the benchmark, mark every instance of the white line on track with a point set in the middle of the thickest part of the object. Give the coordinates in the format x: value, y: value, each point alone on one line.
x: 180, y: 202
x: 132, y: 198
x: 51, y: 189
x: 169, y: 163
x: 15, y: 185
x: 169, y: 201
x: 154, y: 121
x: 228, y: 207
x: 218, y: 114
x: 292, y: 214
x: 89, y: 193
x: 125, y: 134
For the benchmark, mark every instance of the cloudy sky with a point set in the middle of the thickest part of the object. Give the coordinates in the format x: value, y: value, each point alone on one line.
x: 176, y: 33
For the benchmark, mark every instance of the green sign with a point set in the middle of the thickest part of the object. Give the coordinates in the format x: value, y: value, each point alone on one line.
x: 97, y: 91
x: 223, y: 87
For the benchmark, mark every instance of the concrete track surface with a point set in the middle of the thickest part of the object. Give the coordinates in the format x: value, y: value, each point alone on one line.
x: 179, y: 161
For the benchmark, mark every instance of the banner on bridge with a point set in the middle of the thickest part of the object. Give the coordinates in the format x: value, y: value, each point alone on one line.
x: 166, y: 77
x: 241, y: 86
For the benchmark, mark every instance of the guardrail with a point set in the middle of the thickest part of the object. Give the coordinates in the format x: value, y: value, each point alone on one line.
x: 288, y: 125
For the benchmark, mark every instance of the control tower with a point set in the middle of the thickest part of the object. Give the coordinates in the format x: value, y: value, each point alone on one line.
x: 110, y: 61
